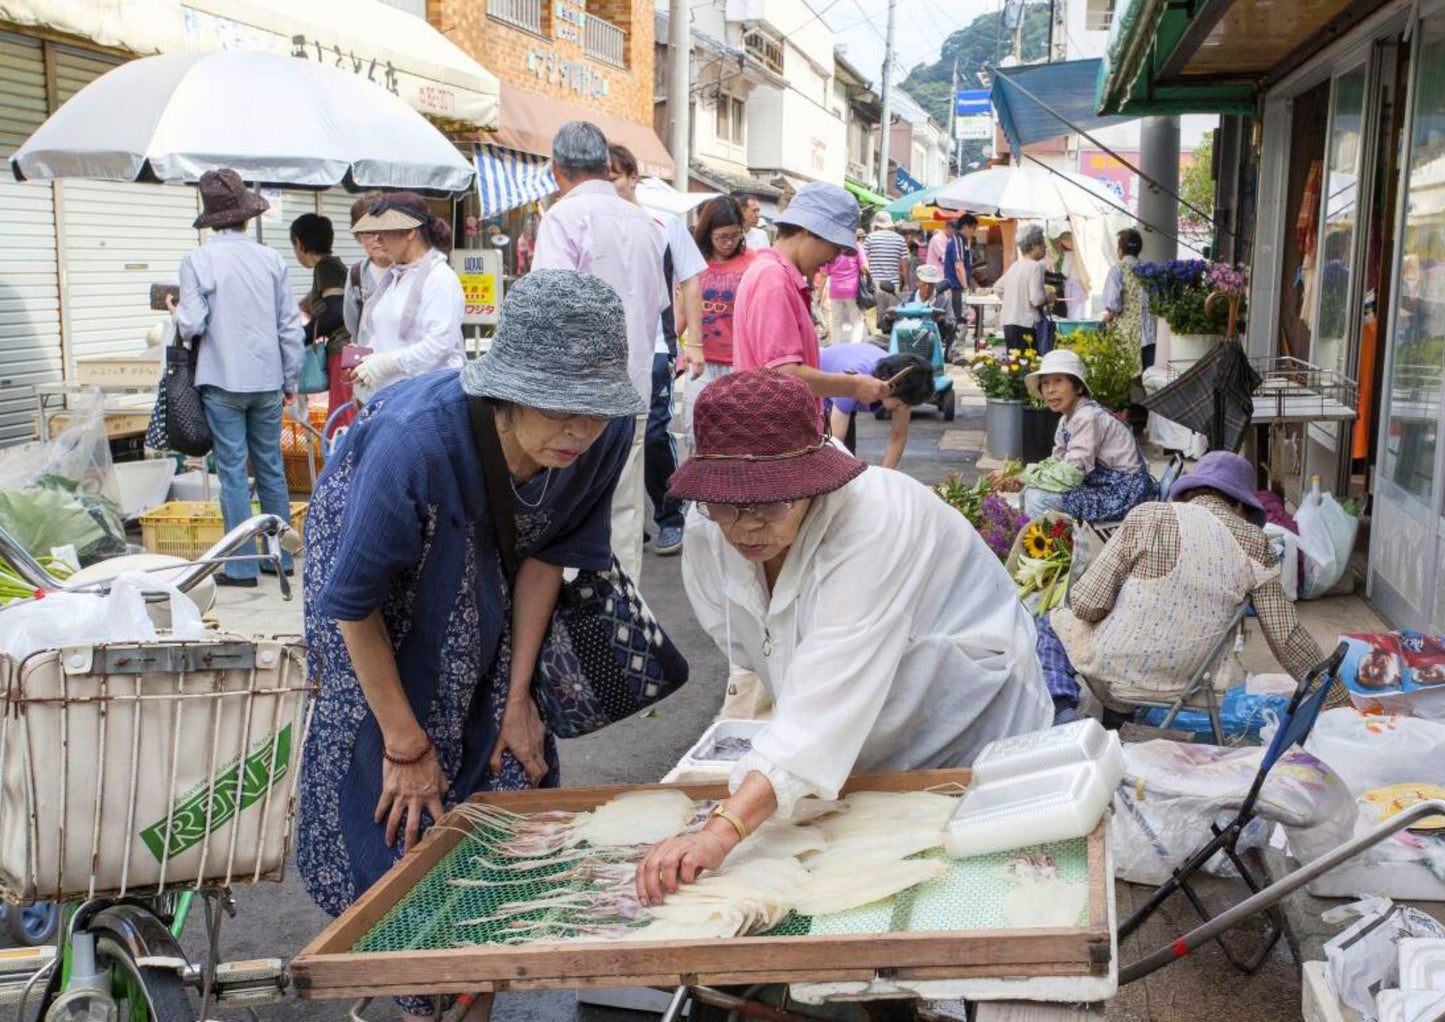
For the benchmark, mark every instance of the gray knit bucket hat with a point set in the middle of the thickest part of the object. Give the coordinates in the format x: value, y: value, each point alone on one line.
x: 561, y: 346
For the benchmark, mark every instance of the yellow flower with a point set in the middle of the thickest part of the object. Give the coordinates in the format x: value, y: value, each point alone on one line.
x: 1031, y: 353
x: 1035, y: 542
x: 1012, y: 369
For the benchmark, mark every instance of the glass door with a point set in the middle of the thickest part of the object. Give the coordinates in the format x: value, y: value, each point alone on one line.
x: 1339, y: 213
x: 1407, y: 546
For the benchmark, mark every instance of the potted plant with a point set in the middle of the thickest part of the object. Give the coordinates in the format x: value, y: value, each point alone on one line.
x: 1111, y: 362
x: 1002, y: 379
x: 1178, y: 291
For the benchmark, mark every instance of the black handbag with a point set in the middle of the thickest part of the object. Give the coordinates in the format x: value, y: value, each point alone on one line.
x: 185, y: 420
x: 867, y: 296
x: 605, y: 657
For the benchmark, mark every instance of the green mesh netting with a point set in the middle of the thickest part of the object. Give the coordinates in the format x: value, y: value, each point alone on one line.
x: 431, y: 915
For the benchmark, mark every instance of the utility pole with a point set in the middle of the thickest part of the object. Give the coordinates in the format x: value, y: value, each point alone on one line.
x: 1049, y: 53
x: 886, y: 129
x: 953, y: 122
x: 679, y: 99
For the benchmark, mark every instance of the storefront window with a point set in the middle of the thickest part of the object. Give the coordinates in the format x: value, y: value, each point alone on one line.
x: 1419, y: 325
x: 1337, y: 234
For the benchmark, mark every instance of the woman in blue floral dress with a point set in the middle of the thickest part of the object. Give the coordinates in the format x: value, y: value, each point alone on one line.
x: 423, y: 655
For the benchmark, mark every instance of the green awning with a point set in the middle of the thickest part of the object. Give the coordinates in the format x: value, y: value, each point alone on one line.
x: 864, y: 194
x: 1142, y: 41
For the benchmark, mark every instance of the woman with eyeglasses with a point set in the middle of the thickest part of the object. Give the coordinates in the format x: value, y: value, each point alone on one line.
x: 887, y: 632
x: 412, y: 323
x: 423, y: 649
x: 721, y: 236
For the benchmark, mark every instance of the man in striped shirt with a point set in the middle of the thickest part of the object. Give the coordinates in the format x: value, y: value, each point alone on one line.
x: 887, y: 255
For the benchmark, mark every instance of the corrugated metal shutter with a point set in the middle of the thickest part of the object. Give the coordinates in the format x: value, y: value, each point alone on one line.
x: 29, y: 274
x: 336, y: 204
x: 278, y: 236
x: 117, y: 239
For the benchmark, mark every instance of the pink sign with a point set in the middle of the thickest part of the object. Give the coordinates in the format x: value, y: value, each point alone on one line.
x: 1115, y: 176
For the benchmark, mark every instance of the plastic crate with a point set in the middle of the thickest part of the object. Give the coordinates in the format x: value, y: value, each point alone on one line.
x: 188, y: 528
x: 299, y: 445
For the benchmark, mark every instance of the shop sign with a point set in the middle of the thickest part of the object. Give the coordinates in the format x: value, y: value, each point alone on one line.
x: 974, y: 128
x: 553, y: 70
x: 205, y: 32
x: 570, y: 21
x: 480, y: 271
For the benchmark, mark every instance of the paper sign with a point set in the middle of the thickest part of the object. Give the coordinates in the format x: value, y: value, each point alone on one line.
x: 480, y: 271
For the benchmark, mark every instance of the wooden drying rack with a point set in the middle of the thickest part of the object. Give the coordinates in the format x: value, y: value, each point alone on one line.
x: 328, y: 968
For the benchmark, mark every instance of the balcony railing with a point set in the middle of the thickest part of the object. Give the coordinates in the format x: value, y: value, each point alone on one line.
x: 765, y: 48
x: 526, y: 14
x: 604, y: 41
x: 1098, y: 19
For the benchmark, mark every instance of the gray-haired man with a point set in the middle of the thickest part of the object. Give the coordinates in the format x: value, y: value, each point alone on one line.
x: 590, y: 228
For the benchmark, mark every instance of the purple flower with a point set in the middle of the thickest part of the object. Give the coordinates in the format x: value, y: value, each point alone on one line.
x: 999, y: 523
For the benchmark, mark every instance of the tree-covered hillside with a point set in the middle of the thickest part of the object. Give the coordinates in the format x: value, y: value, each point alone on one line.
x: 985, y: 41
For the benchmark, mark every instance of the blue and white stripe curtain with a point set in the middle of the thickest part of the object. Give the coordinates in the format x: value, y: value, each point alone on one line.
x: 507, y: 179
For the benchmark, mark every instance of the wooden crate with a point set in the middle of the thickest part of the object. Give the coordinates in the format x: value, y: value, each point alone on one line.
x: 136, y: 371
x: 329, y: 968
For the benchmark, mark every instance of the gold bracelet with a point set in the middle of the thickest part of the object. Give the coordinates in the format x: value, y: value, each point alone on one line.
x: 721, y: 810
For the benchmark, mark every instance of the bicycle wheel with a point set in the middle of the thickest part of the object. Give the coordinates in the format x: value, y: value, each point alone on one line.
x: 32, y: 925
x: 143, y: 993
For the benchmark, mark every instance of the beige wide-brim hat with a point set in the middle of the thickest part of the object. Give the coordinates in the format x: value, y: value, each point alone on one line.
x: 930, y: 274
x: 390, y: 220
x: 1058, y: 361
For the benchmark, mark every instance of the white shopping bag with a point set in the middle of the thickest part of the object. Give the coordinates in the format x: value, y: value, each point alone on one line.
x: 73, y: 619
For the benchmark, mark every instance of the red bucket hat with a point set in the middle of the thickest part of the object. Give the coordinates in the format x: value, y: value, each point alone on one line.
x: 760, y: 439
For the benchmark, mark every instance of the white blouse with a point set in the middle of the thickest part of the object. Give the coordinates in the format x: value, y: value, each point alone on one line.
x: 435, y: 338
x: 893, y: 639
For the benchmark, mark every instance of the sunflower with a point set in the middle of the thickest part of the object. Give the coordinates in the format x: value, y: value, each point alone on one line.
x: 1035, y: 542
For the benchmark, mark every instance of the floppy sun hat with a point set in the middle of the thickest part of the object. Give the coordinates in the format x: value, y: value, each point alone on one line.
x: 759, y: 440
x: 930, y: 274
x: 1059, y: 361
x: 226, y: 201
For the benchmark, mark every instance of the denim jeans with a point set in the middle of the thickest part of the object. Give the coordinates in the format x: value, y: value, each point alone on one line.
x: 659, y: 451
x: 247, y: 426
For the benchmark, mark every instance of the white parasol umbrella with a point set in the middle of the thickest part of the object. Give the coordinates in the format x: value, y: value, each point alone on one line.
x: 276, y: 120
x: 657, y: 195
x: 1028, y: 193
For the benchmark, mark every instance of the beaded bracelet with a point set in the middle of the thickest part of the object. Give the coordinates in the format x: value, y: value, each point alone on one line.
x: 396, y: 760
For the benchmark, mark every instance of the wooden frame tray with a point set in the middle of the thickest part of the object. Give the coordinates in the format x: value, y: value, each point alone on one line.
x: 328, y: 968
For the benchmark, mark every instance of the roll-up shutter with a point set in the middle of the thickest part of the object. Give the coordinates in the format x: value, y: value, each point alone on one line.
x: 117, y: 239
x: 276, y: 233
x: 336, y: 205
x: 30, y: 350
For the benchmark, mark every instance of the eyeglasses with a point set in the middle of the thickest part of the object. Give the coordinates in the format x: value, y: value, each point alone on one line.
x: 717, y: 307
x: 726, y: 514
x: 590, y: 420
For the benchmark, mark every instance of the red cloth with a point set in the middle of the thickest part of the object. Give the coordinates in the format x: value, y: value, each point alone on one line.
x: 338, y: 393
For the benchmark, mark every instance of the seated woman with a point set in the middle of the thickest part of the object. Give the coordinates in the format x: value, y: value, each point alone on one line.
x: 1113, y: 475
x: 1143, y: 617
x: 889, y: 635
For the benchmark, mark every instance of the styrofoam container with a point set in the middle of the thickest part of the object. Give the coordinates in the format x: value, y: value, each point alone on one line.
x: 191, y: 486
x: 1051, y: 805
x: 1082, y: 741
x: 1422, y: 963
x: 705, y: 749
x: 143, y: 484
x: 1409, y: 1005
x: 1048, y: 785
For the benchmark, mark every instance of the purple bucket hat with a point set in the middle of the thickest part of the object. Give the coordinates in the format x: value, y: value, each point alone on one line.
x: 1228, y: 473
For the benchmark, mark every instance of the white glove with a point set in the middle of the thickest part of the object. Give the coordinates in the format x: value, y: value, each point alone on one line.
x: 374, y: 371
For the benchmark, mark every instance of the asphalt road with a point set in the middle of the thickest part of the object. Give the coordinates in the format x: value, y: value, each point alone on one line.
x: 279, y: 919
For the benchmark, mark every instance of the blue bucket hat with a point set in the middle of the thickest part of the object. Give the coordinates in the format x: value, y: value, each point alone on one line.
x: 826, y: 210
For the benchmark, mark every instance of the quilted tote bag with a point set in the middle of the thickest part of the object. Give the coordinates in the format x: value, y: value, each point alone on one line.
x: 186, y: 428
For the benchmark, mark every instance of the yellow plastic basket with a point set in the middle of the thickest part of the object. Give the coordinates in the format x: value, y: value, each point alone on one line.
x: 188, y: 528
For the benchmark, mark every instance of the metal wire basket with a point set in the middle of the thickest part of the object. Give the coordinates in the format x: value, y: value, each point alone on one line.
x: 145, y: 767
x: 1293, y: 390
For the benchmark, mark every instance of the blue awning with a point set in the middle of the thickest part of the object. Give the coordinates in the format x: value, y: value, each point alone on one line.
x: 1034, y: 101
x: 507, y: 179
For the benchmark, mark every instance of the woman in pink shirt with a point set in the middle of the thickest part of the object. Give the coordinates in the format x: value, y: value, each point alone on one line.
x: 772, y: 324
x: 721, y: 238
x: 845, y: 319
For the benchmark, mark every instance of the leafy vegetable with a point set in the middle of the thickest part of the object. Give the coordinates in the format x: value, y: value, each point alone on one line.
x: 39, y: 518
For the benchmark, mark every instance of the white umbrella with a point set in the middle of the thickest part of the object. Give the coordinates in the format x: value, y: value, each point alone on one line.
x: 1029, y: 193
x: 276, y: 120
x: 657, y: 195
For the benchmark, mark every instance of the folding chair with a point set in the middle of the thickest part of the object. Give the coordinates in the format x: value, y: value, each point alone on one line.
x: 1198, y: 692
x: 1299, y: 718
x: 1167, y: 479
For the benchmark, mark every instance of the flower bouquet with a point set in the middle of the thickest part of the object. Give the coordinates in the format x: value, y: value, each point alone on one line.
x: 1179, y: 290
x: 992, y: 516
x: 1002, y: 376
x: 1040, y: 561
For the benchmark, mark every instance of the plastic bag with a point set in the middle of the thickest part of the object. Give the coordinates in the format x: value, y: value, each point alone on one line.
x: 1287, y: 549
x: 1327, y: 538
x: 72, y: 619
x: 1173, y: 791
x: 1371, y: 751
x: 63, y: 490
x: 1364, y: 959
x: 1399, y: 673
x: 1241, y: 713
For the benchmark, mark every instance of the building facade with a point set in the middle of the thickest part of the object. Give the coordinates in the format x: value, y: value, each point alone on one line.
x: 917, y: 144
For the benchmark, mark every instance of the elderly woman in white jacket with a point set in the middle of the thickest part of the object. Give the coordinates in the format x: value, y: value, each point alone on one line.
x: 413, y: 321
x: 889, y: 635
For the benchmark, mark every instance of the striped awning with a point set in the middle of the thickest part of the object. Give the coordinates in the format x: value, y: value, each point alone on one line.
x: 507, y: 179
